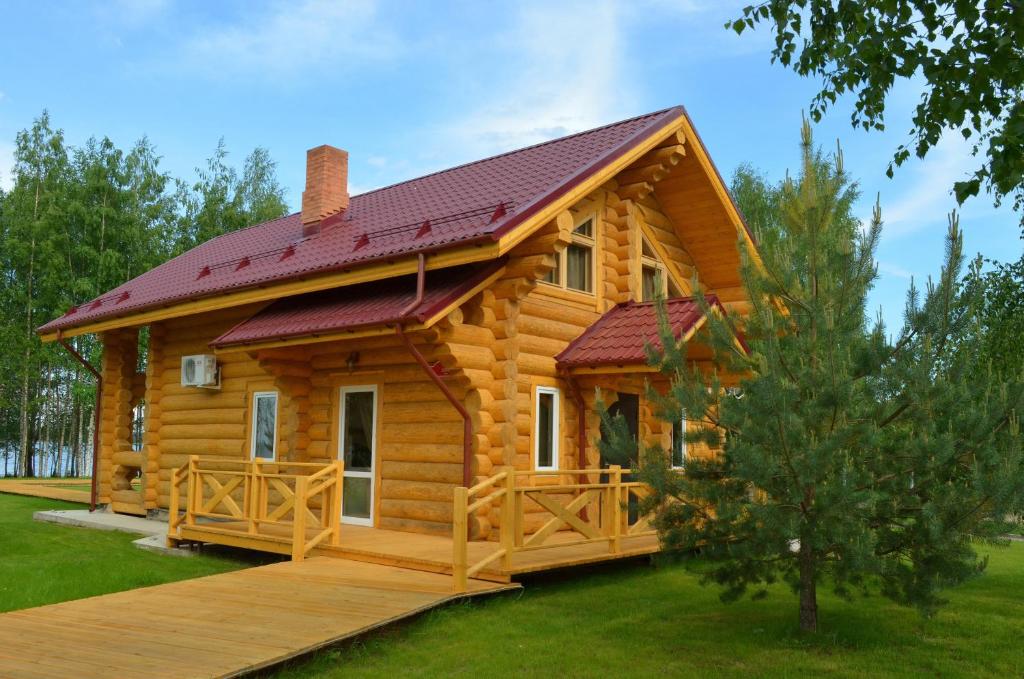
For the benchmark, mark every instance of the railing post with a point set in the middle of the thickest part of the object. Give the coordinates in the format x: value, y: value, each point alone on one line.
x: 299, y: 522
x: 518, y: 519
x: 335, y: 507
x: 615, y: 515
x: 508, y: 518
x: 460, y: 539
x: 192, y: 492
x: 254, y: 496
x: 172, y: 510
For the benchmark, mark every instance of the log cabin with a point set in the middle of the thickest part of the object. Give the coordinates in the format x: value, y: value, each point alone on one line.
x: 413, y: 370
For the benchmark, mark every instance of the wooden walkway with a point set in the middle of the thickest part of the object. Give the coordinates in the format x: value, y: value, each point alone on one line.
x: 218, y: 626
x: 52, y: 489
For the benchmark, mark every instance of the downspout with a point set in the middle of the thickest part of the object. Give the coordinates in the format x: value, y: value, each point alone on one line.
x: 467, y: 423
x: 421, y: 277
x: 95, y: 415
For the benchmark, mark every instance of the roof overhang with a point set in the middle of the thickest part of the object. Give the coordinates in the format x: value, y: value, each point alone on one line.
x: 485, y: 248
x: 418, y: 319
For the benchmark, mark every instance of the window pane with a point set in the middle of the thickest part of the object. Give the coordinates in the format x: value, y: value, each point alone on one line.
x: 585, y: 229
x: 578, y: 267
x: 545, y: 429
x: 650, y: 283
x: 266, y: 423
x: 678, y: 442
x: 358, y: 443
x: 553, y: 276
x: 646, y: 249
x: 355, y: 496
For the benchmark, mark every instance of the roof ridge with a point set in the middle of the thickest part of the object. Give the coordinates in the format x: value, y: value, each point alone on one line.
x: 517, y: 150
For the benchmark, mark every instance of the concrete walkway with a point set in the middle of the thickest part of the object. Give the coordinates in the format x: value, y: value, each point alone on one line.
x: 102, y: 520
x: 221, y: 625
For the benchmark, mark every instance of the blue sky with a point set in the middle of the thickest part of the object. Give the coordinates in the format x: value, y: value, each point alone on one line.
x: 410, y: 88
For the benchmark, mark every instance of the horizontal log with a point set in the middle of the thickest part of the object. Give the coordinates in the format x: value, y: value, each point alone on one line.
x: 423, y: 452
x: 219, y: 415
x: 418, y: 471
x: 214, y: 447
x: 416, y: 490
x: 550, y: 328
x: 236, y: 431
x: 422, y: 510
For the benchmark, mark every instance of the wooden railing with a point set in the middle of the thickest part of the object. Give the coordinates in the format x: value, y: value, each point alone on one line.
x: 574, y: 507
x: 302, y: 499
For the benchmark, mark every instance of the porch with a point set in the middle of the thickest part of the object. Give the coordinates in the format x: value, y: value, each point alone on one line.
x: 546, y: 520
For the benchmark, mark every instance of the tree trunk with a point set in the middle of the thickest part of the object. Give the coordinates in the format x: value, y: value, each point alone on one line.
x: 808, y: 589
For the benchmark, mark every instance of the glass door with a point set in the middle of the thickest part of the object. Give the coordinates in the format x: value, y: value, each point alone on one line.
x: 358, y: 451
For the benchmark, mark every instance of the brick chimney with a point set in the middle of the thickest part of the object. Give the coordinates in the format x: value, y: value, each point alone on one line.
x: 326, y: 191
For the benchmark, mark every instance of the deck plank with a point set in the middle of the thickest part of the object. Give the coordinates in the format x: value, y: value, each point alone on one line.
x: 217, y: 626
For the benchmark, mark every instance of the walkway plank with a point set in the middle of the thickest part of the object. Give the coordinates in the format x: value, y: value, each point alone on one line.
x: 218, y: 626
x: 51, y: 489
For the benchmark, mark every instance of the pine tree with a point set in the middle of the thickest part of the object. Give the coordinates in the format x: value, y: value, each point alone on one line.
x: 846, y: 458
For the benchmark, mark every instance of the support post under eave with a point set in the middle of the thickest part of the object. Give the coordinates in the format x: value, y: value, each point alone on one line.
x: 581, y: 419
x: 95, y: 417
x: 467, y: 423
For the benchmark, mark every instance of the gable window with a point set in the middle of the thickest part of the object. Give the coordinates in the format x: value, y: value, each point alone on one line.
x: 264, y: 425
x: 679, y: 442
x: 574, y: 266
x: 545, y: 439
x: 654, y: 278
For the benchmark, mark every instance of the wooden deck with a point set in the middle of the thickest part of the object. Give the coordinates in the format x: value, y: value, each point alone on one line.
x: 429, y: 553
x: 575, y: 517
x: 218, y: 626
x: 52, y: 489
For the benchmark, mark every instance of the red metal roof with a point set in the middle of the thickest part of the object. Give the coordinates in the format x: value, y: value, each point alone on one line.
x: 621, y: 335
x: 357, y: 306
x: 473, y: 202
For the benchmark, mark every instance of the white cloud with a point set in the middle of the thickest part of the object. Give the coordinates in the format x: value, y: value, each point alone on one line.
x: 923, y: 196
x: 559, y: 85
x: 289, y: 37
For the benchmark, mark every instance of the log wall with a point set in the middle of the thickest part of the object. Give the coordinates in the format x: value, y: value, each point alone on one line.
x: 496, y: 350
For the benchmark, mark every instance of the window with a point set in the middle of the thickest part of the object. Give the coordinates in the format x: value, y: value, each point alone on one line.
x: 545, y: 444
x: 574, y: 266
x: 653, y: 276
x: 264, y: 425
x: 650, y: 282
x: 679, y: 442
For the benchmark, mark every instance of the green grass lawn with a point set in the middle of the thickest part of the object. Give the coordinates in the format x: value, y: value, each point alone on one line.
x: 651, y: 622
x: 628, y: 620
x: 42, y: 563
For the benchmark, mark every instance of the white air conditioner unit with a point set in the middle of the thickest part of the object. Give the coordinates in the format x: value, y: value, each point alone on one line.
x: 199, y: 370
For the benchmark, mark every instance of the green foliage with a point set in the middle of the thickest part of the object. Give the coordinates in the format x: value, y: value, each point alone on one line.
x: 78, y: 222
x: 967, y: 53
x: 846, y: 457
x: 1002, y: 318
x: 43, y: 563
x: 220, y: 201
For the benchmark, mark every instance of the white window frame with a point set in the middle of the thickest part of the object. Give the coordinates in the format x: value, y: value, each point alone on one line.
x: 372, y: 474
x: 556, y: 416
x: 256, y: 395
x: 682, y: 444
x: 563, y: 256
